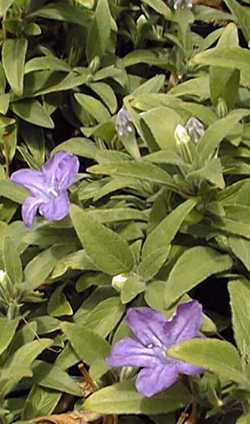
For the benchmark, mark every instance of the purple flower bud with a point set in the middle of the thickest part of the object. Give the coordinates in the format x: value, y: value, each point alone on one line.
x: 123, y: 124
x: 195, y: 129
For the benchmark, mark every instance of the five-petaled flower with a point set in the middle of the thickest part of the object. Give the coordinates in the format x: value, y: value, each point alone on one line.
x: 153, y: 336
x: 48, y: 187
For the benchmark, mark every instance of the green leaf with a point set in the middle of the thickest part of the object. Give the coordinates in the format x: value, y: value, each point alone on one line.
x: 229, y: 57
x: 217, y: 356
x: 46, y: 324
x: 12, y: 261
x: 122, y: 398
x: 241, y: 248
x: 242, y: 16
x: 105, y: 92
x: 64, y: 11
x: 88, y: 345
x: 32, y: 111
x: 39, y: 268
x: 104, y: 316
x: 53, y: 377
x: 142, y: 170
x: 131, y: 288
x: 7, y: 332
x: 162, y: 122
x: 78, y: 260
x: 224, y: 83
x: 19, y: 364
x: 194, y: 265
x: 40, y: 401
x: 198, y: 87
x: 58, y: 304
x: 13, y: 191
x: 160, y: 7
x: 48, y: 62
x: 79, y: 146
x: 4, y: 6
x: 218, y: 131
x: 13, y: 57
x: 109, y: 252
x: 244, y: 419
x: 239, y: 290
x: 157, y: 245
x: 93, y: 106
x: 99, y: 31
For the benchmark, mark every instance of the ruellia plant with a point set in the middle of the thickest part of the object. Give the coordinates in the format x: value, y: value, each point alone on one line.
x: 124, y: 212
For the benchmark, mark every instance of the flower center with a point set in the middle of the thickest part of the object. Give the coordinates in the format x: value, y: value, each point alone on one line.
x: 52, y: 192
x: 150, y: 346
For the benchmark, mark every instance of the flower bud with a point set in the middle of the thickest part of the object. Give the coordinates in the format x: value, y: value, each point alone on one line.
x: 95, y: 64
x: 118, y: 281
x: 2, y: 276
x: 181, y: 135
x: 123, y: 124
x: 182, y: 4
x: 195, y: 129
x: 222, y: 108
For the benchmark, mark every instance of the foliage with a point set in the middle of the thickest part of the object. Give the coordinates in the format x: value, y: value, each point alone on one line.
x: 166, y: 211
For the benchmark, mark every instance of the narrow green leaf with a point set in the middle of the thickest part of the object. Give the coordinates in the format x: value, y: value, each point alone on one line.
x: 62, y: 11
x: 157, y: 245
x: 194, y: 266
x: 217, y: 356
x: 109, y: 252
x: 12, y: 261
x: 13, y: 57
x: 160, y: 7
x: 229, y: 57
x: 19, y: 364
x: 79, y: 146
x: 218, y: 131
x: 40, y: 401
x: 88, y: 345
x: 242, y: 16
x: 53, y: 377
x: 122, y: 398
x: 241, y: 248
x: 7, y: 332
x: 106, y: 93
x: 104, y: 316
x: 142, y: 170
x: 58, y: 305
x: 240, y: 304
x: 4, y: 6
x: 162, y: 122
x: 31, y: 110
x: 99, y: 31
x: 93, y: 106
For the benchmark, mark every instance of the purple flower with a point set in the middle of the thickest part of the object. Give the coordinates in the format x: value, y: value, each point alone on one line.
x: 153, y: 336
x: 48, y: 187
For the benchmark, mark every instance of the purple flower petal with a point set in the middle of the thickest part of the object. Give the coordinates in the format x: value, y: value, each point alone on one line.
x: 147, y: 325
x: 131, y: 353
x: 32, y: 180
x: 151, y: 381
x: 29, y: 210
x: 185, y: 324
x: 55, y: 209
x: 60, y: 170
x: 188, y: 369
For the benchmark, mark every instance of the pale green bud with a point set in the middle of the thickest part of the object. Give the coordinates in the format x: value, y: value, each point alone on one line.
x: 118, y: 281
x: 3, y: 275
x: 181, y: 135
